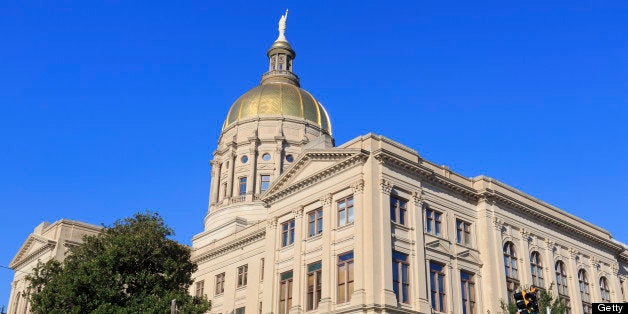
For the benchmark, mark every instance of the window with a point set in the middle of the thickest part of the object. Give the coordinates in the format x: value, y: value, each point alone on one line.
x: 433, y: 221
x: 604, y: 291
x: 468, y: 292
x: 224, y: 189
x: 244, y: 159
x: 287, y: 233
x: 401, y: 282
x: 561, y: 278
x: 437, y: 287
x: 398, y: 210
x: 345, y: 277
x: 200, y: 286
x: 242, y: 272
x: 239, y: 310
x: 265, y: 179
x: 242, y: 187
x: 220, y: 284
x: 621, y: 286
x: 315, y: 222
x: 345, y: 211
x: 463, y: 232
x: 536, y: 268
x: 259, y: 308
x: 266, y: 156
x: 285, y: 292
x: 313, y: 285
x: 289, y: 158
x: 585, y: 296
x: 261, y: 269
x: 510, y: 265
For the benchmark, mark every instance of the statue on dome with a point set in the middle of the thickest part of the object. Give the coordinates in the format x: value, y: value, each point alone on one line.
x: 282, y: 27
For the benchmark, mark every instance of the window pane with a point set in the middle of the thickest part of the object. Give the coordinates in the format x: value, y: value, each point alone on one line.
x: 350, y: 215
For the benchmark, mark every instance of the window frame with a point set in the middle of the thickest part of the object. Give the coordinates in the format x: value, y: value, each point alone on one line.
x: 262, y: 181
x: 605, y: 291
x: 242, y: 275
x: 536, y: 269
x: 345, y: 211
x: 288, y: 233
x: 199, y: 288
x: 313, y: 291
x: 438, y: 287
x: 219, y: 286
x: 468, y: 290
x: 561, y: 285
x: 315, y: 222
x: 345, y: 265
x: 511, y: 268
x: 242, y: 182
x: 433, y: 222
x: 401, y: 283
x: 285, y: 289
x: 398, y: 210
x: 463, y: 232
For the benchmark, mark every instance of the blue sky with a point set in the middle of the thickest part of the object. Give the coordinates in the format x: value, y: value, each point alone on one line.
x: 109, y: 108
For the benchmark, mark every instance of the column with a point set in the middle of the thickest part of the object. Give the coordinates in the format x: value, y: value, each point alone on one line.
x: 549, y: 267
x: 232, y: 157
x: 524, y: 257
x: 328, y: 287
x: 385, y: 238
x: 420, y: 278
x: 250, y: 184
x: 298, y: 283
x: 278, y: 157
x: 572, y: 282
x: 214, y: 190
x: 359, y: 242
x: 270, y: 258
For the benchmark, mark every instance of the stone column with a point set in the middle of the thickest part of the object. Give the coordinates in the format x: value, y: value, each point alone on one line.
x: 328, y: 262
x: 250, y: 184
x: 359, y: 235
x: 385, y: 255
x: 214, y: 189
x: 298, y: 283
x: 270, y: 257
x: 419, y: 284
x: 593, y: 275
x: 232, y: 157
x: 572, y: 281
x: 278, y: 157
x: 524, y: 244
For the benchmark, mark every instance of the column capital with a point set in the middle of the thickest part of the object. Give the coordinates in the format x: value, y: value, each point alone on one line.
x: 358, y: 186
x: 298, y: 212
x: 417, y: 198
x: 326, y: 199
x: 271, y: 223
x: 385, y: 186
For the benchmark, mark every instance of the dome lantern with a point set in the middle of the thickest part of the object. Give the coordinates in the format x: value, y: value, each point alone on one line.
x: 280, y: 57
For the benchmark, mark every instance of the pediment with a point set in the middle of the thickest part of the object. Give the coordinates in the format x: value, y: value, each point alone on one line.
x: 32, y: 247
x: 313, y: 166
x: 469, y: 255
x: 439, y: 246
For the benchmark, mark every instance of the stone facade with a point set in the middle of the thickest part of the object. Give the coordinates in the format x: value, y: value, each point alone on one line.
x: 48, y: 241
x: 371, y: 227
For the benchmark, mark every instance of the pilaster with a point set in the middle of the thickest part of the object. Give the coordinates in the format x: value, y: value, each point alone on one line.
x: 298, y: 301
x: 359, y: 240
x: 385, y: 255
x: 328, y: 262
x: 270, y: 257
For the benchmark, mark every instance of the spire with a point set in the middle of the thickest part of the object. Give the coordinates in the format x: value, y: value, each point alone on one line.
x: 280, y: 57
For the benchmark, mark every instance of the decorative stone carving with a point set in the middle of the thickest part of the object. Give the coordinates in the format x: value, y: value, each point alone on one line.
x: 417, y: 198
x: 358, y: 186
x: 385, y: 186
x: 298, y: 212
x: 326, y: 200
x: 498, y: 224
x: 271, y: 223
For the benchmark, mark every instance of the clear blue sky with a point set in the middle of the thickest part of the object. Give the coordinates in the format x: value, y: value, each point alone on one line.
x: 111, y: 108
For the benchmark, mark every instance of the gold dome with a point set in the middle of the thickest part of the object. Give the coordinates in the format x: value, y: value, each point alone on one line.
x: 278, y: 99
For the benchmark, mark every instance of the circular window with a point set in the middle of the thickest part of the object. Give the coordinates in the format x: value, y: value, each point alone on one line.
x: 289, y: 158
x: 266, y: 157
x: 244, y: 159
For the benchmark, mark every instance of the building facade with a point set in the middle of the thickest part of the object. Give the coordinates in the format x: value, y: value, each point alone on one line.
x: 296, y: 224
x: 48, y: 241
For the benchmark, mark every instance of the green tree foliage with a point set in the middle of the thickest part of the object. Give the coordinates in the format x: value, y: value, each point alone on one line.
x: 130, y: 267
x: 545, y: 298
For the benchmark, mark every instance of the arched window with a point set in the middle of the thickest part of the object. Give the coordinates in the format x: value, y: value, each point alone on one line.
x: 604, y: 291
x: 561, y: 278
x: 510, y: 265
x: 536, y: 268
x: 585, y: 296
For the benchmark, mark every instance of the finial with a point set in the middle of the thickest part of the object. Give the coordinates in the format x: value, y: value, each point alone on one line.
x: 282, y: 27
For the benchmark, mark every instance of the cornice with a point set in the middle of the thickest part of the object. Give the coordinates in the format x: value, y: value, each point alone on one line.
x: 23, y: 258
x: 225, y: 248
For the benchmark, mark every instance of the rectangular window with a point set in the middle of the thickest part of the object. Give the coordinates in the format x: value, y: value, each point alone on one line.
x: 468, y: 292
x: 259, y: 308
x: 437, y: 287
x: 220, y: 283
x: 463, y: 232
x: 285, y: 292
x: 398, y: 210
x: 315, y: 222
x: 345, y: 277
x: 265, y: 182
x: 313, y: 285
x: 242, y: 187
x: 433, y: 220
x: 200, y: 286
x: 401, y: 277
x: 345, y: 211
x: 287, y: 233
x: 239, y: 310
x: 242, y: 273
x: 261, y: 270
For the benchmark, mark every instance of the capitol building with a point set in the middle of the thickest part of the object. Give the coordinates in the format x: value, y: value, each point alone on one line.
x: 298, y: 224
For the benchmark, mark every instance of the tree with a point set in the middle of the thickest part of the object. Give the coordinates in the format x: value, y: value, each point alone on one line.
x: 129, y: 267
x: 546, y: 298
